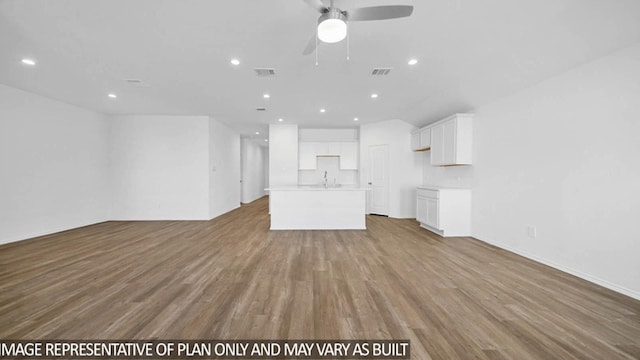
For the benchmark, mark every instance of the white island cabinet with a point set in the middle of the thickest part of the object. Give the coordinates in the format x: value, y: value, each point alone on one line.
x: 317, y: 208
x: 444, y: 211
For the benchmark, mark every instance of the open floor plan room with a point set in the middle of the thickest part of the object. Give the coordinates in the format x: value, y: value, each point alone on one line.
x: 405, y: 179
x: 232, y: 278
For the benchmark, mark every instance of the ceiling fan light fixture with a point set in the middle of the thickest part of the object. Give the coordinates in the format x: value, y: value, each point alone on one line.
x: 332, y: 26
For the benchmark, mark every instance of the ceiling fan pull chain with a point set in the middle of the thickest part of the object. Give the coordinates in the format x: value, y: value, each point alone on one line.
x: 348, y: 43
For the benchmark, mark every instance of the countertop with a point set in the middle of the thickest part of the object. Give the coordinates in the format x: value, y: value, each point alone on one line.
x: 438, y: 187
x: 317, y: 188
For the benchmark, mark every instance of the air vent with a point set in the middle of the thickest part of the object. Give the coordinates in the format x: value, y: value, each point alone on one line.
x: 380, y: 71
x: 264, y: 72
x: 261, y: 109
x: 136, y: 82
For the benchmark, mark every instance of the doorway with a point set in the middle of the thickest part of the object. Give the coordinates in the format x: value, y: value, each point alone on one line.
x: 379, y: 179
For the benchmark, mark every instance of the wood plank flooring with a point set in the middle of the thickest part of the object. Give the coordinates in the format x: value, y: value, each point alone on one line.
x: 232, y: 278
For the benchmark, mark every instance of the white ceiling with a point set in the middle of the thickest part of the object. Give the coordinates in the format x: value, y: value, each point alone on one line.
x: 470, y: 52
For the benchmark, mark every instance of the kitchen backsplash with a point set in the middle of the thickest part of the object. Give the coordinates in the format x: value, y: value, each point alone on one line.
x: 454, y: 176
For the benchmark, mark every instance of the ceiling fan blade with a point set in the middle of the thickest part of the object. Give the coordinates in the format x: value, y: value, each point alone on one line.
x: 379, y: 12
x: 317, y: 4
x: 311, y: 45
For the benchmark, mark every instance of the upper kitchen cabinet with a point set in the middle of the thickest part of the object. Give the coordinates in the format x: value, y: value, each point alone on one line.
x: 346, y: 150
x: 327, y: 148
x: 451, y: 141
x: 307, y: 157
x: 421, y: 139
x: 349, y: 156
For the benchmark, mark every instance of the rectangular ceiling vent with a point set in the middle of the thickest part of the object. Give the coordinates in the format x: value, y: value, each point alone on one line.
x: 380, y: 71
x: 136, y: 82
x: 264, y: 72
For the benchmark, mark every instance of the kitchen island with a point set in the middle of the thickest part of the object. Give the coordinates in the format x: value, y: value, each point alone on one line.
x: 317, y: 208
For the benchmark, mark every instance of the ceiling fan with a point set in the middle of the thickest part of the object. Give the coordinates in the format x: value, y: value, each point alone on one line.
x: 332, y: 23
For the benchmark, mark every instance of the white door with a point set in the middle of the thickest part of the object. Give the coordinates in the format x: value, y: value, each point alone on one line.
x: 379, y: 179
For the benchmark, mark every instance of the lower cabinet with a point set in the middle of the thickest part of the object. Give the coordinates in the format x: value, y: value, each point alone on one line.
x: 427, y: 211
x: 444, y: 211
x: 432, y: 213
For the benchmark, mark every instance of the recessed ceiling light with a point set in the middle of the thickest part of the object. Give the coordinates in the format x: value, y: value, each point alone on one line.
x: 257, y: 132
x: 280, y: 120
x: 266, y: 96
x: 413, y: 61
x: 29, y: 62
x: 374, y: 96
x: 322, y: 110
x: 113, y: 96
x: 355, y: 119
x: 235, y: 62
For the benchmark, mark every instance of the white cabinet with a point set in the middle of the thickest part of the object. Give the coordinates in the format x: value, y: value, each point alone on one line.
x: 427, y: 207
x: 349, y: 156
x: 425, y: 138
x: 307, y: 158
x: 421, y: 139
x: 451, y: 141
x: 437, y: 139
x: 421, y: 209
x: 433, y: 213
x: 444, y: 211
x: 347, y: 151
x: 415, y: 140
x: 326, y: 148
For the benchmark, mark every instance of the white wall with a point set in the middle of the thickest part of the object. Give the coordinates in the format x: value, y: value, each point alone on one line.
x: 283, y: 155
x: 53, y: 166
x: 253, y: 171
x: 563, y: 156
x: 159, y: 167
x: 224, y: 168
x: 337, y: 135
x: 64, y: 167
x: 405, y: 168
x: 265, y: 155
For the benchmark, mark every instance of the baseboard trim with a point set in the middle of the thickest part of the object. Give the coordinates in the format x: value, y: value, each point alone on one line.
x: 249, y: 202
x: 604, y: 283
x: 53, y: 230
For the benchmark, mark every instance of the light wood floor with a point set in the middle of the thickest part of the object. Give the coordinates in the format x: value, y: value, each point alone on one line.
x: 231, y: 278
